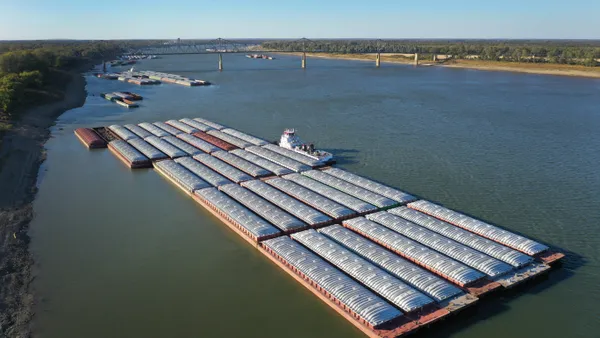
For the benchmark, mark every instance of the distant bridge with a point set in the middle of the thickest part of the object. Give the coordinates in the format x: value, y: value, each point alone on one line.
x: 221, y: 46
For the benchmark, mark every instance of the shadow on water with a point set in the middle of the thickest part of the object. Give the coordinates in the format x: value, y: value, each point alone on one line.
x: 493, y: 305
x: 344, y: 156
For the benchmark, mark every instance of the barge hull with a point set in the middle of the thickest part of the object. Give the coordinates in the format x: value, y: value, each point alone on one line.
x: 404, y: 326
x: 145, y: 164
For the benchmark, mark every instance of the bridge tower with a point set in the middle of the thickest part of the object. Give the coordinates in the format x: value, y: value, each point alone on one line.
x: 303, y: 60
x: 378, y: 55
x: 220, y: 62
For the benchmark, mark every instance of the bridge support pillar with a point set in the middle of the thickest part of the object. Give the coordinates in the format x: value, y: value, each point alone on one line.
x: 303, y: 60
x: 434, y: 57
x: 416, y: 59
x: 104, y: 66
x: 378, y: 60
x: 220, y: 62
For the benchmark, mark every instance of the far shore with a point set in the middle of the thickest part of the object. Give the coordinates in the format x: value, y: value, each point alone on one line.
x: 520, y: 67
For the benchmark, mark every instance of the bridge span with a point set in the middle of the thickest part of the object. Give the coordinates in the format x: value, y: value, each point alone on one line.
x: 222, y: 46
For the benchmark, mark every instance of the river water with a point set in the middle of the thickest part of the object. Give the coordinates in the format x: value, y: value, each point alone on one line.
x: 126, y: 254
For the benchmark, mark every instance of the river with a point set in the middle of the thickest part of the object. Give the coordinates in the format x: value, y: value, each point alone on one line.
x: 126, y: 254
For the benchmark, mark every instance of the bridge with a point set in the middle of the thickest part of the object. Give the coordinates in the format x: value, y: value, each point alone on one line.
x: 222, y: 46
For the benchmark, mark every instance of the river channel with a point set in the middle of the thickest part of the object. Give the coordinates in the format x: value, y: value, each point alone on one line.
x: 126, y: 254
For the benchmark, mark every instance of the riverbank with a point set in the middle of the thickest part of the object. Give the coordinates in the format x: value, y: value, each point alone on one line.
x: 21, y: 154
x: 520, y: 67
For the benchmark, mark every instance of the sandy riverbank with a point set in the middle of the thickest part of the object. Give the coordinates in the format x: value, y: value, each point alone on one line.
x: 531, y: 68
x: 21, y: 154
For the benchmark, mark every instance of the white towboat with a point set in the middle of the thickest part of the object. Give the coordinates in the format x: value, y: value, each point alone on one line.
x: 290, y: 140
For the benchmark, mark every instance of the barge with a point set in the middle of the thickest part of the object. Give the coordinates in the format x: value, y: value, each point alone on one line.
x: 287, y: 223
x: 246, y: 137
x: 335, y: 210
x: 223, y: 168
x: 215, y: 141
x: 204, y: 172
x: 243, y: 165
x: 360, y: 206
x: 365, y: 183
x: 230, y: 139
x: 198, y: 125
x: 182, y: 126
x: 198, y: 143
x: 279, y: 159
x: 180, y: 176
x: 252, y: 228
x: 261, y: 162
x: 351, y: 189
x: 313, y: 217
x: 407, y: 264
x: 90, y: 138
x: 129, y: 155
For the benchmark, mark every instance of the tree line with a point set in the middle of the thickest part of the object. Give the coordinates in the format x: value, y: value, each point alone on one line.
x: 31, y: 67
x: 582, y: 52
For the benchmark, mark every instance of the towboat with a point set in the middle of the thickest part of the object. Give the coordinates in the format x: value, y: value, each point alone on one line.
x: 290, y: 140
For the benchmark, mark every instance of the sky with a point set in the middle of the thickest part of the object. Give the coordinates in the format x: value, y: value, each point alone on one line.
x: 230, y: 19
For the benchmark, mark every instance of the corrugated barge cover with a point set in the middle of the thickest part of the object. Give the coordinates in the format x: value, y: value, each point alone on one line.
x: 434, y: 286
x: 261, y: 161
x: 240, y: 214
x: 188, y: 148
x: 128, y: 152
x: 491, y: 248
x: 181, y: 126
x: 167, y: 128
x: 324, y: 204
x: 198, y: 143
x: 210, y: 123
x: 214, y: 140
x: 462, y: 253
x: 147, y: 149
x: 203, y: 171
x: 293, y: 155
x: 165, y: 147
x: 309, y: 215
x: 363, y: 182
x: 198, y: 125
x: 263, y: 208
x: 359, y: 299
x: 142, y: 133
x: 351, y: 189
x: 223, y: 168
x: 389, y: 287
x: 451, y: 269
x: 122, y: 132
x: 482, y: 228
x: 331, y: 193
x: 278, y: 158
x: 240, y: 163
x: 246, y: 137
x: 230, y: 139
x: 153, y: 129
x: 181, y: 175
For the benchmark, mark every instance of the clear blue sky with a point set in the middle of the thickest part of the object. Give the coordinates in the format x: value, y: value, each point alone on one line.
x: 125, y: 19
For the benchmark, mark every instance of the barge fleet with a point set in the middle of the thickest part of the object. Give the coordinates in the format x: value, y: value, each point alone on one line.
x: 387, y: 261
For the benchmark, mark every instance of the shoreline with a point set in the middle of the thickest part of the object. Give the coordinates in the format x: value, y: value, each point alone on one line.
x: 21, y: 154
x: 496, y: 66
